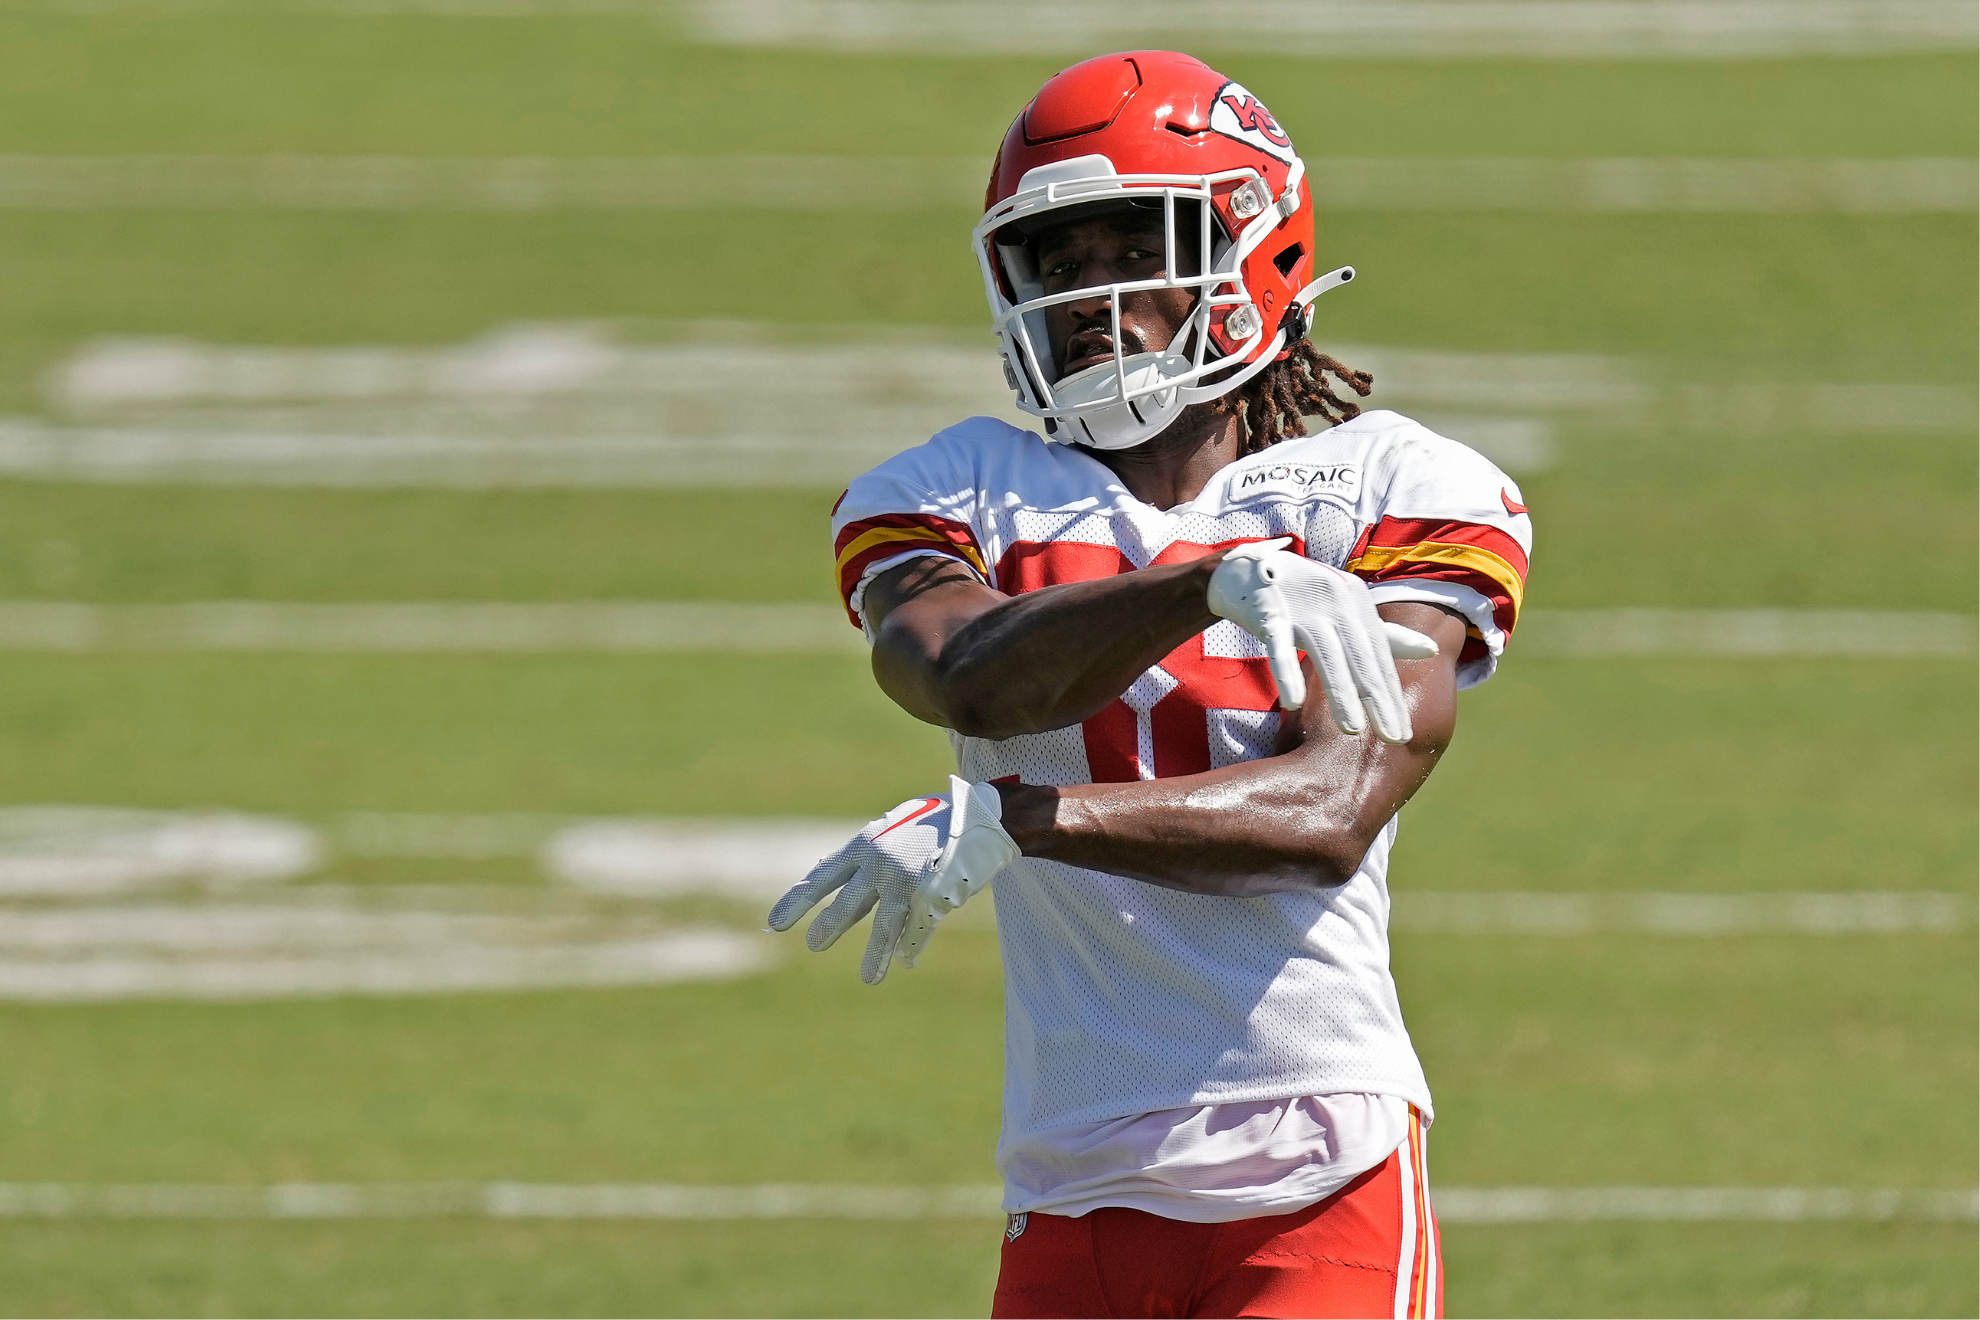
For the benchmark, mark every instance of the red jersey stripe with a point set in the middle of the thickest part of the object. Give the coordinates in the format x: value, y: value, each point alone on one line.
x: 861, y: 544
x: 1398, y: 533
x: 1469, y: 554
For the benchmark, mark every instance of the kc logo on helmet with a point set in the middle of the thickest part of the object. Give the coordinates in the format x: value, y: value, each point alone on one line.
x: 1238, y: 114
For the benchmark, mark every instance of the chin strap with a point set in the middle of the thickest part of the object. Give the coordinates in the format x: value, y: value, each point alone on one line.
x: 1298, y: 320
x: 1292, y: 328
x: 1333, y: 279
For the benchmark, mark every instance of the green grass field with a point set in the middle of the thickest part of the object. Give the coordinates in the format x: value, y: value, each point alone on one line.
x: 1840, y: 1061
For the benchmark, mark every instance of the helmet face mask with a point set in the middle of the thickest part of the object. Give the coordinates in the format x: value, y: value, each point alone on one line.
x: 1239, y: 196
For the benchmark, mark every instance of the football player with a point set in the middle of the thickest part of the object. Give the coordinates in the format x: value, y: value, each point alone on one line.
x: 1193, y: 661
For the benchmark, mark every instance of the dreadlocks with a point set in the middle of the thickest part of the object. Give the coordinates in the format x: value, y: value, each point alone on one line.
x: 1273, y: 405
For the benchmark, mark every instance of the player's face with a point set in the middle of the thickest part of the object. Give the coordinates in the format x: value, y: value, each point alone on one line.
x: 1105, y: 250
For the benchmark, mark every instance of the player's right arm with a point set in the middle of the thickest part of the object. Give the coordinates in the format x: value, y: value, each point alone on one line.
x: 915, y: 571
x: 954, y: 652
x: 957, y: 653
x: 915, y: 568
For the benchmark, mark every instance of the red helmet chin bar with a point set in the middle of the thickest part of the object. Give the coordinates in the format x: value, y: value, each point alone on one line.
x: 1165, y: 132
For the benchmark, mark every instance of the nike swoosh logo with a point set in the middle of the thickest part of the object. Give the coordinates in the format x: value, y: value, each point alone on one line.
x: 1505, y: 498
x: 927, y: 805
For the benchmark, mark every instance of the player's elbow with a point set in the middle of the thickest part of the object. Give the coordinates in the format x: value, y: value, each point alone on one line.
x: 985, y: 715
x: 972, y: 718
x: 933, y: 688
x: 980, y: 697
x: 1320, y: 857
x: 928, y: 691
x: 1307, y: 873
x: 958, y: 683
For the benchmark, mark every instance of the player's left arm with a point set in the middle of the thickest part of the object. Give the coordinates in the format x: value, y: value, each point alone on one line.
x: 1299, y: 820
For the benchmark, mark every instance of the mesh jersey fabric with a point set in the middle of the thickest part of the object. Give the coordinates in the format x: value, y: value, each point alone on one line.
x: 1209, y: 1164
x: 1123, y: 998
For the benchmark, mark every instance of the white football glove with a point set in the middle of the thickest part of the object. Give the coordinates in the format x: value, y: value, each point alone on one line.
x: 1290, y: 603
x: 917, y: 864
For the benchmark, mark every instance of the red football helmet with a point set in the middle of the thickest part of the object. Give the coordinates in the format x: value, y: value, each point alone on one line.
x: 1162, y: 131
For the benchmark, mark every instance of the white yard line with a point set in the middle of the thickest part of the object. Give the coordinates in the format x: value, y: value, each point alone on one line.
x: 489, y: 183
x: 1695, y: 185
x: 426, y: 969
x: 722, y: 628
x: 106, y: 905
x: 1406, y: 29
x: 635, y: 627
x: 582, y: 405
x: 66, y: 851
x: 1862, y: 913
x: 449, y: 939
x: 657, y: 858
x: 1455, y: 1205
x: 1622, y: 633
x: 1541, y: 1205
x: 1917, y: 185
x: 1545, y: 29
x: 234, y: 451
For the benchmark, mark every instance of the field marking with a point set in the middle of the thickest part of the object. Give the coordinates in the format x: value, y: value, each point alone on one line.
x: 568, y: 404
x: 667, y: 1201
x: 233, y: 451
x: 64, y: 937
x: 341, y: 940
x: 452, y: 939
x: 727, y: 628
x: 422, y: 970
x: 489, y: 183
x: 1736, y: 634
x: 848, y: 380
x: 1471, y: 29
x: 1602, y: 185
x: 657, y: 858
x: 577, y: 404
x: 424, y: 628
x: 1542, y: 1205
x: 1868, y: 912
x: 72, y: 851
x: 1407, y: 29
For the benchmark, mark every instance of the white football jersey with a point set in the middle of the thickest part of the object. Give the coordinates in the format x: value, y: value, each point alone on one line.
x: 1122, y: 997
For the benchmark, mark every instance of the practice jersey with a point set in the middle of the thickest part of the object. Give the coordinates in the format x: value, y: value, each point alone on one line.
x: 1122, y: 997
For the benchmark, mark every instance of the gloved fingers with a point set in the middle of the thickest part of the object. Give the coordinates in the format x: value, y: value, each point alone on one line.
x: 854, y: 902
x: 1324, y: 648
x: 1382, y: 694
x: 1375, y: 674
x: 823, y: 878
x: 886, y: 937
x: 1407, y: 643
x: 1282, y: 656
x: 922, y: 918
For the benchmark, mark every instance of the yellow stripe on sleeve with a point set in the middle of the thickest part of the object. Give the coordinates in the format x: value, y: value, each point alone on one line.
x: 912, y: 535
x: 1376, y: 559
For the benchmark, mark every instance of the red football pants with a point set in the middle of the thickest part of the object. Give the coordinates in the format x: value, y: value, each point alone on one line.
x: 1368, y: 1250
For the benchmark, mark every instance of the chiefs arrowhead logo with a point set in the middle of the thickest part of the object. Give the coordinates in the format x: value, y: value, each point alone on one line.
x: 1238, y: 114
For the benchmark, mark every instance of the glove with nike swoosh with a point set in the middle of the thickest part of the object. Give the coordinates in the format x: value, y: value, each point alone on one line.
x: 910, y: 868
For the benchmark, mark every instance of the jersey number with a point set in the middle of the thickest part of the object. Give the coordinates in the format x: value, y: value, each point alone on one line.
x: 1180, y: 721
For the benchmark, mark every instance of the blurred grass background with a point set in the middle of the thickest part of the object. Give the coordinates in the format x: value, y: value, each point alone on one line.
x: 1845, y: 1061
